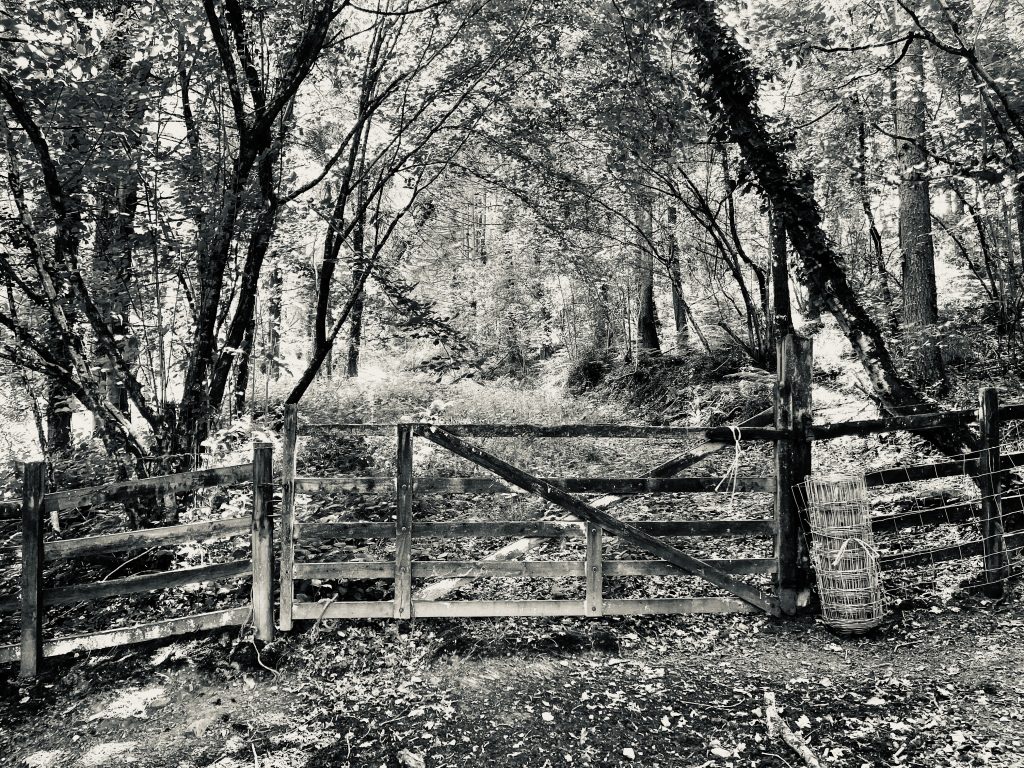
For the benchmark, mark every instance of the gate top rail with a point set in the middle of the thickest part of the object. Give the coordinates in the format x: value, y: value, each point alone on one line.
x: 628, y: 431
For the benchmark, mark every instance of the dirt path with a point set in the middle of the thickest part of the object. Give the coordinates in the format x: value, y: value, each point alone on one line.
x: 931, y: 689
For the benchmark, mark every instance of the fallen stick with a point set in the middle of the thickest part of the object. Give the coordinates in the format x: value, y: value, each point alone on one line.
x: 778, y: 727
x: 673, y: 466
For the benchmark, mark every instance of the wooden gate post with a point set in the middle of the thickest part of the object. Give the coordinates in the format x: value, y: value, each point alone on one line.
x: 262, y: 541
x: 595, y: 571
x: 287, y: 590
x: 403, y: 525
x: 32, y: 568
x: 793, y: 411
x: 997, y: 566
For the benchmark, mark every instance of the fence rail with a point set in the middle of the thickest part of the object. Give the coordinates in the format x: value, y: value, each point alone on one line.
x: 34, y: 599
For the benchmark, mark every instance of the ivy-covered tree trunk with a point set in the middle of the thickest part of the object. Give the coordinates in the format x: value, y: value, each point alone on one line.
x: 782, y: 312
x: 112, y: 276
x: 272, y: 365
x: 729, y: 92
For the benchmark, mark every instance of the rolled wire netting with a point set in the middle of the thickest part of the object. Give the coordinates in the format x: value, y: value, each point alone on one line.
x: 843, y: 552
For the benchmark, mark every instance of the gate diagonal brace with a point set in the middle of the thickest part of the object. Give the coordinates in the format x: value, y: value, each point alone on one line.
x: 585, y: 511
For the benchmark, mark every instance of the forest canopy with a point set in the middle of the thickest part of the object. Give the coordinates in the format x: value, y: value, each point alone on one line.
x: 206, y: 201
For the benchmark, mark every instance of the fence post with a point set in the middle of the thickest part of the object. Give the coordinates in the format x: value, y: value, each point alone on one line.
x: 32, y: 568
x: 287, y: 590
x: 997, y: 567
x: 262, y: 541
x: 595, y: 571
x: 793, y: 411
x: 403, y: 525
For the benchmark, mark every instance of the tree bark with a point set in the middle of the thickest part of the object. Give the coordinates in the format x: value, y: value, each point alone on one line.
x: 647, y: 315
x: 729, y: 92
x: 680, y: 310
x: 782, y: 312
x: 355, y: 327
x: 604, y: 332
x: 273, y: 356
x: 920, y: 302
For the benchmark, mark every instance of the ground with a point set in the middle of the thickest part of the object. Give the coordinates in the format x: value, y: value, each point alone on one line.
x: 937, y: 685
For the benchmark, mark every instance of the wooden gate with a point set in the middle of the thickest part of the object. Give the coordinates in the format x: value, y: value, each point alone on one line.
x: 586, y: 520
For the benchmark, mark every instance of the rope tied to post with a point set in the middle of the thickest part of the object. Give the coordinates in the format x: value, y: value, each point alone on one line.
x: 732, y: 473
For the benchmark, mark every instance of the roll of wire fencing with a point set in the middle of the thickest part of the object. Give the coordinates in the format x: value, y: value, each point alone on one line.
x: 843, y: 552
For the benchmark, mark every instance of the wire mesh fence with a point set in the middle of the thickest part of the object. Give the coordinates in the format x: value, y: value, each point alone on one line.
x: 933, y: 528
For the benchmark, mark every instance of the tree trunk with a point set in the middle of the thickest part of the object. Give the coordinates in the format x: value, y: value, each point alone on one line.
x: 604, y: 332
x: 782, y: 312
x: 876, y: 259
x: 647, y: 315
x: 355, y: 328
x: 112, y: 275
x: 920, y: 304
x: 59, y: 405
x: 680, y: 313
x: 729, y: 92
x: 273, y: 355
x: 243, y: 370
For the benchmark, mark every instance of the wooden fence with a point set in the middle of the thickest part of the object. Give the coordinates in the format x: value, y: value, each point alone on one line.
x: 792, y: 435
x: 593, y: 567
x: 36, y: 552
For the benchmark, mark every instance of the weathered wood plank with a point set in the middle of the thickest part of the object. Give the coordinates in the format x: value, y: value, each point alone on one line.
x: 479, y: 608
x: 792, y: 467
x: 157, y: 630
x: 314, y: 531
x: 681, y: 605
x: 147, y: 537
x: 917, y: 558
x: 997, y: 563
x: 262, y: 541
x: 497, y: 529
x: 621, y: 431
x: 545, y: 569
x: 131, y: 489
x: 895, y: 475
x: 479, y: 485
x: 968, y: 465
x: 288, y: 531
x: 148, y: 582
x: 710, y: 528
x: 592, y: 514
x: 352, y: 569
x: 541, y: 569
x: 594, y: 571
x: 383, y: 609
x: 671, y: 467
x: 747, y: 566
x: 912, y: 423
x: 557, y: 529
x: 32, y: 605
x: 1011, y: 411
x: 364, y: 485
x: 403, y: 525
